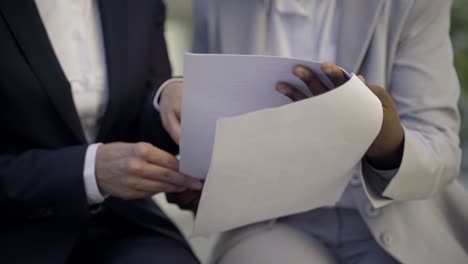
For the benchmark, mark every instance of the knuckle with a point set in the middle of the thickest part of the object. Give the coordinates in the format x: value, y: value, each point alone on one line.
x: 132, y: 183
x: 142, y: 149
x: 166, y: 174
x: 135, y: 166
x: 380, y: 92
x: 171, y: 162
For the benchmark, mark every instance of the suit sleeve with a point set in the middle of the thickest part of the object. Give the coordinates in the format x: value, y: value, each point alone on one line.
x: 43, y: 180
x: 151, y: 129
x: 426, y: 90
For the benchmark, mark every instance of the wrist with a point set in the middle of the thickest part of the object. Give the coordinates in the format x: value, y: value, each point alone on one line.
x: 386, y: 158
x: 161, y: 89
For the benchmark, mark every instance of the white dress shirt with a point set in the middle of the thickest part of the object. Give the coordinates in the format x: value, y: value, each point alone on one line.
x: 306, y: 29
x: 74, y: 29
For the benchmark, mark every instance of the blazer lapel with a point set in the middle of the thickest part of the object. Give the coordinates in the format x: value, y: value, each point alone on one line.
x: 358, y: 20
x: 114, y: 18
x: 26, y: 25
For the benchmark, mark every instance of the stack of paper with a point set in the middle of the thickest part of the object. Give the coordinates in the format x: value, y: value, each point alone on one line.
x: 262, y: 156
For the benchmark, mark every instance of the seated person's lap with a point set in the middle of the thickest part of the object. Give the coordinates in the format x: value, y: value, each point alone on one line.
x: 110, y: 239
x: 270, y: 244
x: 320, y: 236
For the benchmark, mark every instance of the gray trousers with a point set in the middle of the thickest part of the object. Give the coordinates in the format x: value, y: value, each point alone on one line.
x: 329, y: 235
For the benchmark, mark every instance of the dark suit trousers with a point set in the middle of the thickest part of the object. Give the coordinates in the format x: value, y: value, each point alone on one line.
x: 110, y: 239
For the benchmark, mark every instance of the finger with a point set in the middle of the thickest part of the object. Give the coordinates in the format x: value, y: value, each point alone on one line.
x: 187, y: 200
x: 313, y: 82
x: 157, y: 173
x: 334, y: 73
x: 293, y: 93
x: 150, y: 187
x: 193, y: 206
x: 189, y: 197
x: 135, y: 194
x: 172, y: 197
x: 174, y: 127
x: 379, y: 92
x: 362, y: 79
x: 151, y: 154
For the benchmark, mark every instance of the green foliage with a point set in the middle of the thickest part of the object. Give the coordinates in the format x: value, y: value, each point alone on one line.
x: 460, y: 40
x: 460, y: 44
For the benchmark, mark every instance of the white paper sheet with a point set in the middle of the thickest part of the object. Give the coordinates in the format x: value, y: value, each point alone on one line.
x: 286, y: 159
x: 228, y: 85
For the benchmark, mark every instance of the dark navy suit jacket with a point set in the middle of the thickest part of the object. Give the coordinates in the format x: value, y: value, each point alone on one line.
x: 43, y: 204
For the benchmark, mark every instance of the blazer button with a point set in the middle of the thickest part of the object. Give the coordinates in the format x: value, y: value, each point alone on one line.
x: 372, y: 212
x: 355, y: 181
x: 386, y: 239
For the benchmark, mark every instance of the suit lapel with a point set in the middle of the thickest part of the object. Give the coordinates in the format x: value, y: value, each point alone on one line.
x: 114, y: 18
x: 358, y: 20
x: 26, y: 25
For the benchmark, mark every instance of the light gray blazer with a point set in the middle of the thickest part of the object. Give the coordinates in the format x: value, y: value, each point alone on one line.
x: 404, y: 46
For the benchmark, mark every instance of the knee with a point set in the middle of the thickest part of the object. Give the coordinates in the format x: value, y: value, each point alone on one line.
x: 270, y: 244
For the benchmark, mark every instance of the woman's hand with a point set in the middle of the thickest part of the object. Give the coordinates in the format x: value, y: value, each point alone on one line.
x: 386, y: 151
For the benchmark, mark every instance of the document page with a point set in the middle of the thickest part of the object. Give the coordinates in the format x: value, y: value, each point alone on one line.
x: 228, y: 85
x: 264, y: 157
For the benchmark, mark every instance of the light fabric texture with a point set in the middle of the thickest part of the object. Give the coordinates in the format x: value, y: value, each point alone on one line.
x: 305, y: 29
x: 403, y: 46
x: 74, y: 29
x: 75, y: 32
x: 331, y: 235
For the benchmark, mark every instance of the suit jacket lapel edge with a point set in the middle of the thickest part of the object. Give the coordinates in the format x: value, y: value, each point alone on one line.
x: 358, y: 20
x: 24, y: 21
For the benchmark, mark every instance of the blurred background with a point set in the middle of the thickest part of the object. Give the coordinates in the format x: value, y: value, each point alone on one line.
x: 179, y: 34
x: 460, y: 42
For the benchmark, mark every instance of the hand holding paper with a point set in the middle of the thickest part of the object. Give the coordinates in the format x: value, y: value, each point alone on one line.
x: 386, y: 151
x: 266, y: 158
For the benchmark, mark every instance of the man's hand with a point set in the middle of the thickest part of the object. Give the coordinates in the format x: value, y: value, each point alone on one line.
x: 386, y: 151
x: 135, y: 171
x: 170, y: 109
x: 187, y: 200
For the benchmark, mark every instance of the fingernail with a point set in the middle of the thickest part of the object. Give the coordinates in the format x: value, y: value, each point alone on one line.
x: 328, y: 71
x: 281, y: 88
x: 301, y: 73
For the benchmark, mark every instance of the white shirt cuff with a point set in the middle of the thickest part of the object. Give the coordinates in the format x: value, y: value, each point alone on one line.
x: 91, y: 188
x: 161, y: 89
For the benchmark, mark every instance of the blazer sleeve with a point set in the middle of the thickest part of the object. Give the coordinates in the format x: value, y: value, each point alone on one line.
x: 426, y: 90
x: 150, y: 125
x: 43, y: 181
